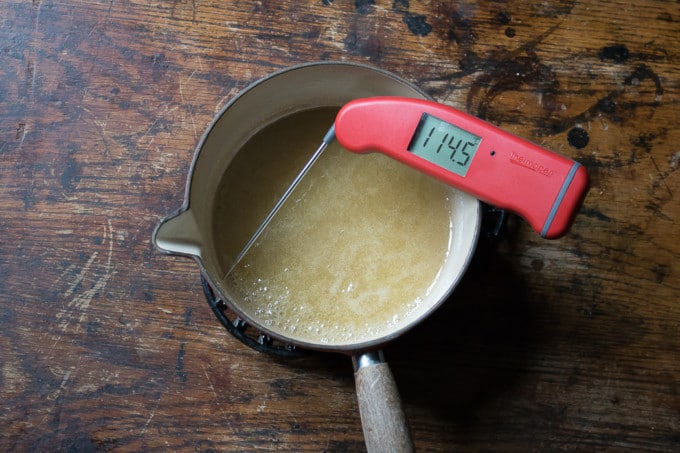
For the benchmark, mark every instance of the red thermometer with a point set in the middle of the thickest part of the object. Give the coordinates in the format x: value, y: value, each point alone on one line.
x: 497, y: 167
x: 465, y: 152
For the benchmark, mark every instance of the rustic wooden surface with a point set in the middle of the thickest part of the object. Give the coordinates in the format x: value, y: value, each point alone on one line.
x: 547, y: 345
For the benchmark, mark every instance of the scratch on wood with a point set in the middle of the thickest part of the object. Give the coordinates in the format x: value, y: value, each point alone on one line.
x: 34, y: 61
x: 67, y: 375
x: 675, y: 160
x: 102, y: 133
x: 661, y: 176
x: 181, y: 91
x: 82, y: 301
x: 214, y: 392
x: 81, y: 275
x: 193, y: 123
x: 13, y: 380
x: 151, y: 415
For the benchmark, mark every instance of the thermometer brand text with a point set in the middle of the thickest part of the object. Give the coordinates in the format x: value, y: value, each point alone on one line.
x: 530, y: 164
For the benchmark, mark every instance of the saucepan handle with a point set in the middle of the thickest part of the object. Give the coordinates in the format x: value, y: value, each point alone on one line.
x: 382, y: 417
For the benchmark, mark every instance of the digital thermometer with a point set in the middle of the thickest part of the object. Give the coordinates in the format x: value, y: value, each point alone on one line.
x: 497, y: 167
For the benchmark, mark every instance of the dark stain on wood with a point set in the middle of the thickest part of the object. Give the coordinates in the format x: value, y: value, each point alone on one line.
x: 468, y: 62
x: 364, y: 6
x: 417, y: 24
x: 21, y: 130
x: 618, y: 53
x: 645, y: 140
x: 452, y: 26
x: 401, y: 6
x: 665, y: 17
x: 592, y: 212
x: 365, y: 44
x: 641, y: 73
x: 70, y: 174
x: 179, y: 366
x: 607, y: 105
x: 661, y: 271
x: 512, y: 73
x: 503, y: 17
x: 578, y: 138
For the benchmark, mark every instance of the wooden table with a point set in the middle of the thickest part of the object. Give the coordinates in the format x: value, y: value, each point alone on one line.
x: 105, y: 344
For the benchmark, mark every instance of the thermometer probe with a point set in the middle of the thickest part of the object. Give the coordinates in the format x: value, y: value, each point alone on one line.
x: 495, y: 166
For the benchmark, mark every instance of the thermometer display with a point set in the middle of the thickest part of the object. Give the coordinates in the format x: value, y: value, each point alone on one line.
x: 444, y: 144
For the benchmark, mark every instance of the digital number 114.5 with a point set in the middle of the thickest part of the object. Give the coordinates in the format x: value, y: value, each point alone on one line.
x: 450, y: 145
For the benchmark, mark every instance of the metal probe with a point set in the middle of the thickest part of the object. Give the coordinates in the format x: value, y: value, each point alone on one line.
x: 327, y: 140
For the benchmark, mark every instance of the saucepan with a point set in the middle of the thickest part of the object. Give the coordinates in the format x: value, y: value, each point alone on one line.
x: 200, y: 228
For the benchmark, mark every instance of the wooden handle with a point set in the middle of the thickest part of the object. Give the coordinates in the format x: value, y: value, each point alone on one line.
x: 382, y: 417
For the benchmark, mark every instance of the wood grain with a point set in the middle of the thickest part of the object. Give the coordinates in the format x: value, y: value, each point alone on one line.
x: 547, y: 345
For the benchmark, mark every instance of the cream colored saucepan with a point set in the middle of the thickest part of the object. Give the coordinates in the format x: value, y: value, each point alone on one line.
x: 190, y: 231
